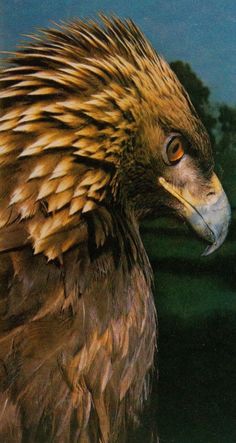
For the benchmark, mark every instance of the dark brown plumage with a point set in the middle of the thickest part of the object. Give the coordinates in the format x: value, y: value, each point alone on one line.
x: 86, y: 112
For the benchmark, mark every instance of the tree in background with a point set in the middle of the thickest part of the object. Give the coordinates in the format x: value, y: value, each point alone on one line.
x: 227, y: 122
x: 226, y: 148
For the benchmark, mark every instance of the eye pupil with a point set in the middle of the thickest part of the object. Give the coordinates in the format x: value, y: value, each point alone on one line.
x: 175, y: 148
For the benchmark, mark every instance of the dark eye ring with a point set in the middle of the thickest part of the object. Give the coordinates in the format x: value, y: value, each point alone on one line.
x: 174, y: 149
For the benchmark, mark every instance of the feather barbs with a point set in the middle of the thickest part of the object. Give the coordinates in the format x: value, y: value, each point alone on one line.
x: 72, y: 103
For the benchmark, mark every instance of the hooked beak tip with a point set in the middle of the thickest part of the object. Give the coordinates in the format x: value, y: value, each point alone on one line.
x: 218, y: 241
x: 210, y: 249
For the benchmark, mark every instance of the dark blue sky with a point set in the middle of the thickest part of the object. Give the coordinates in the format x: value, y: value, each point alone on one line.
x: 202, y: 32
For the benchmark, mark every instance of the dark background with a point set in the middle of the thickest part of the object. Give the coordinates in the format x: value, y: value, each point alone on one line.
x: 194, y: 400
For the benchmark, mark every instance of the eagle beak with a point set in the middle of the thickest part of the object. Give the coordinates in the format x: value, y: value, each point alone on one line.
x: 209, y: 215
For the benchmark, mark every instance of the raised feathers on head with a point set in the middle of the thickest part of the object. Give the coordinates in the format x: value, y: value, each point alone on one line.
x: 71, y: 103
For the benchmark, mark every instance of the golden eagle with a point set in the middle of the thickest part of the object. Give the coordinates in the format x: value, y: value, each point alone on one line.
x: 96, y: 133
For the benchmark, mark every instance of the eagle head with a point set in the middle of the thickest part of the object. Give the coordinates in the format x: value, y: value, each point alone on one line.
x: 94, y: 123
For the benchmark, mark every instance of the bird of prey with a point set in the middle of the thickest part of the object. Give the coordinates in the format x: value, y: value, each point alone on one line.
x: 96, y: 133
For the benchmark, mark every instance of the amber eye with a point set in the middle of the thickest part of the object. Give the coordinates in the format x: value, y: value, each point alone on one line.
x: 174, y: 149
